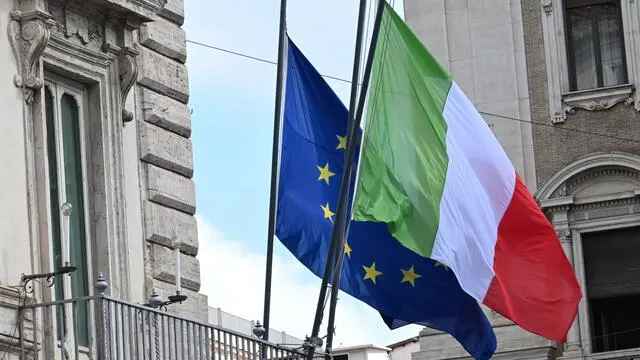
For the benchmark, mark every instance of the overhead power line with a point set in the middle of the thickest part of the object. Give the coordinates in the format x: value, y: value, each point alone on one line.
x: 266, y: 61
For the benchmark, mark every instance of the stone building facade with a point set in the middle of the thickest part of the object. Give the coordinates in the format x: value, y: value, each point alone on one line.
x: 93, y: 101
x: 557, y: 82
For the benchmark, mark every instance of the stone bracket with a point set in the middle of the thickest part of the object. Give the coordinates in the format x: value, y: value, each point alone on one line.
x: 126, y: 52
x: 29, y: 34
x: 128, y: 76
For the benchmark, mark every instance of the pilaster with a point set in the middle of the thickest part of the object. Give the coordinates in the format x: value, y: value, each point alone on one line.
x: 166, y: 159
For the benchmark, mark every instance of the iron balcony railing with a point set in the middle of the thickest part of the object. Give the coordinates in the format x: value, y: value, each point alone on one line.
x: 102, y: 327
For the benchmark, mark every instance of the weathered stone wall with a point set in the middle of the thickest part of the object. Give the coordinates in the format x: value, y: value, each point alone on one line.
x: 166, y: 159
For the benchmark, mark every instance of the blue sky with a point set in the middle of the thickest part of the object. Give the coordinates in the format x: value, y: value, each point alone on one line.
x: 232, y: 99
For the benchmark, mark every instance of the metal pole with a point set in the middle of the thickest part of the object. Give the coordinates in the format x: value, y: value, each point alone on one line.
x: 275, y: 163
x: 337, y: 236
x: 340, y: 230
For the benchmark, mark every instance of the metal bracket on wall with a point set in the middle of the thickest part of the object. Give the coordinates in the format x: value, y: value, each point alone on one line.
x: 27, y: 280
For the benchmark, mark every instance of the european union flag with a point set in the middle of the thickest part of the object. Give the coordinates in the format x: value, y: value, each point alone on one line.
x: 402, y: 285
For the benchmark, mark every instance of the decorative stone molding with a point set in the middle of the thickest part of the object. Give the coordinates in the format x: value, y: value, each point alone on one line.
x: 608, y: 203
x: 556, y: 209
x: 72, y: 24
x: 599, y: 172
x: 29, y: 33
x: 556, y: 60
x: 603, y: 161
x: 598, y: 100
x: 107, y: 32
x: 562, y: 102
x: 128, y: 75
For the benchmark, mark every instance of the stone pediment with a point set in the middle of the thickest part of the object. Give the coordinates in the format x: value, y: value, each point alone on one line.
x: 594, y: 175
x: 600, y: 181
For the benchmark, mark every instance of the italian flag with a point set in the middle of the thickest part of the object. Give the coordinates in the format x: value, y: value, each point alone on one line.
x: 433, y: 171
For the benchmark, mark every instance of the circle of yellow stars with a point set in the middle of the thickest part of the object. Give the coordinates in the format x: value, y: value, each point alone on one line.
x: 409, y: 275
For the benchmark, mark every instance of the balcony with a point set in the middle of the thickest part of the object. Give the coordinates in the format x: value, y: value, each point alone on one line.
x: 102, y: 327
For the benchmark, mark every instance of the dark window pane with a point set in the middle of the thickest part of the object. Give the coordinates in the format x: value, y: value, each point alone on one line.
x: 581, y: 3
x: 595, y: 43
x: 75, y: 196
x: 615, y: 323
x: 54, y: 197
x: 611, y: 45
x: 582, y: 43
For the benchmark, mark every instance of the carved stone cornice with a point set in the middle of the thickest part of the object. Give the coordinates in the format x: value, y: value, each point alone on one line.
x: 29, y: 33
x: 557, y: 209
x: 598, y: 100
x: 608, y: 203
x: 557, y: 205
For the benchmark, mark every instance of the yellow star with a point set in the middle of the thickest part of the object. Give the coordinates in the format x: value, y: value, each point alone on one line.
x: 325, y: 174
x: 438, y: 263
x: 371, y: 272
x: 342, y: 142
x: 410, y: 276
x: 328, y: 214
x: 347, y: 249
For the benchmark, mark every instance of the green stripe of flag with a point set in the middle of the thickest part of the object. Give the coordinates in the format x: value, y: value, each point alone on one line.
x: 404, y: 159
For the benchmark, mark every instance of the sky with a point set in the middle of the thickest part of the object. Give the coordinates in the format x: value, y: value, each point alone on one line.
x: 232, y: 100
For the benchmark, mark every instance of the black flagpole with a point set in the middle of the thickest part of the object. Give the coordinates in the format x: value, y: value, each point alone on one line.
x: 335, y: 282
x: 337, y: 236
x: 275, y: 163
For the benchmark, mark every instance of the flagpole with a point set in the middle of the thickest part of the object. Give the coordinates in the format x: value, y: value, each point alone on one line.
x: 275, y: 163
x: 337, y: 236
x: 335, y: 287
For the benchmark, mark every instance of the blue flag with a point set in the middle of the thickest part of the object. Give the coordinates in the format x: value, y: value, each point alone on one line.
x: 402, y: 285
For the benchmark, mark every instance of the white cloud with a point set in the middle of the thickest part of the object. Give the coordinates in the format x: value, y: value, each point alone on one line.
x: 233, y: 277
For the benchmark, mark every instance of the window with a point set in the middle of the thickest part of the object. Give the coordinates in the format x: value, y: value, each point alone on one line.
x: 615, y: 323
x: 595, y: 44
x: 612, y: 269
x: 65, y: 157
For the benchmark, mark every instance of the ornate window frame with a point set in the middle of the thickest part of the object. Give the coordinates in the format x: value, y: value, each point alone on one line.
x: 93, y: 45
x: 563, y: 102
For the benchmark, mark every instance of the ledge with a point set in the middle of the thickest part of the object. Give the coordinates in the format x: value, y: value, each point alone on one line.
x: 597, y: 99
x: 619, y: 354
x: 556, y: 202
x: 146, y: 10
